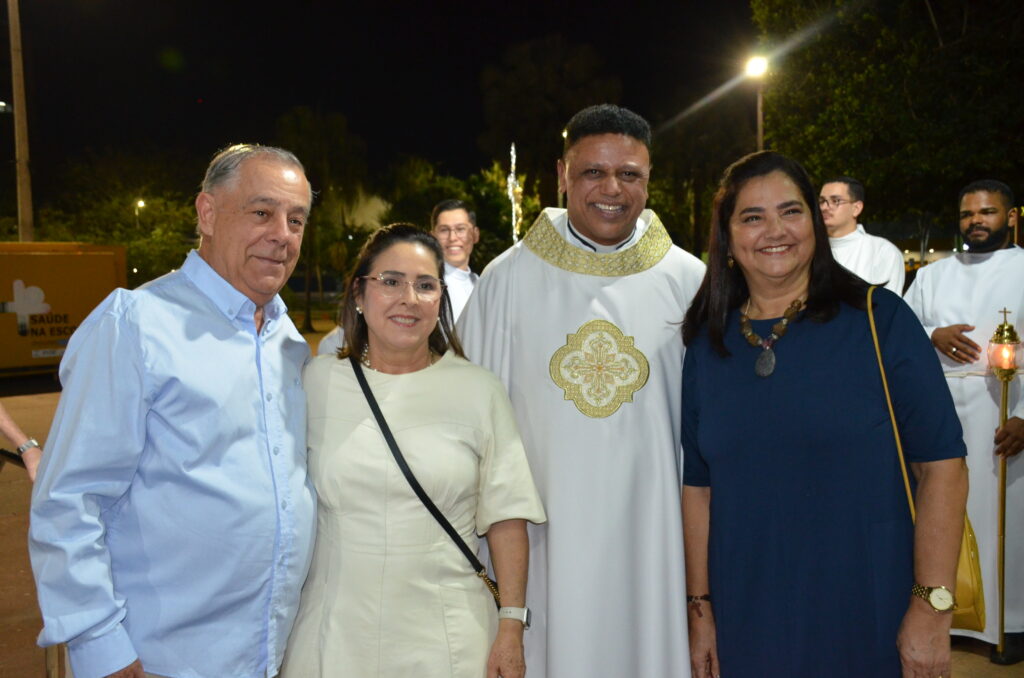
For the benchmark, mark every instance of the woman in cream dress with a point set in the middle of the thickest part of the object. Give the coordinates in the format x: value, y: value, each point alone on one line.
x: 389, y: 594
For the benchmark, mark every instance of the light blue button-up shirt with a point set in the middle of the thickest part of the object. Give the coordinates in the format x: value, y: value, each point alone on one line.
x: 172, y: 519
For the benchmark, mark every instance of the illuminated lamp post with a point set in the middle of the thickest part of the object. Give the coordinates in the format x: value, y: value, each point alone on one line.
x: 138, y: 205
x: 757, y: 67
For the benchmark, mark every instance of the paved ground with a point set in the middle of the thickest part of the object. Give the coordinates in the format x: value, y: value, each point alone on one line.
x: 19, y: 618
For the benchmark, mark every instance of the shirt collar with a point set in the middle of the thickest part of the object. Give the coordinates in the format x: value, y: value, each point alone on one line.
x: 457, y: 273
x: 224, y: 295
x: 582, y: 241
x: 855, y: 234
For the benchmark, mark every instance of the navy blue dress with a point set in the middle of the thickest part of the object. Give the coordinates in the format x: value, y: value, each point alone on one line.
x: 810, y: 550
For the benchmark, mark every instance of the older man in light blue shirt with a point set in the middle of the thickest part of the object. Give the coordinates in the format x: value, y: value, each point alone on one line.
x: 172, y: 520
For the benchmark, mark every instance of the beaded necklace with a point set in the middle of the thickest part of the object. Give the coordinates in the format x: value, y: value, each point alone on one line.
x: 765, y: 363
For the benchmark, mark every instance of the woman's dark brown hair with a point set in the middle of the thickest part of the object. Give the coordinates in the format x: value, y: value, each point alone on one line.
x: 354, y: 324
x: 725, y: 288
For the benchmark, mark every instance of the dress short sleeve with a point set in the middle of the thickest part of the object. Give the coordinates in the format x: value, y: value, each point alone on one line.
x: 695, y: 468
x: 929, y: 427
x: 507, y: 490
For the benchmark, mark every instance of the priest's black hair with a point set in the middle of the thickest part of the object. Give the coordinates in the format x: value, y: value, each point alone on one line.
x: 724, y: 288
x: 606, y: 119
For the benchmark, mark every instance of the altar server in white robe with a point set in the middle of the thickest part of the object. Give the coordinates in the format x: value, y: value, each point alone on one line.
x: 454, y: 225
x: 874, y: 259
x: 581, y: 321
x: 959, y: 300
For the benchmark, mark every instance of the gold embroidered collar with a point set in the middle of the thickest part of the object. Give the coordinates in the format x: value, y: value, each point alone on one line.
x: 545, y: 241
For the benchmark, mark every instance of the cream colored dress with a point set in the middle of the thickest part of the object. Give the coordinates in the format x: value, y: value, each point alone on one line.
x: 388, y: 593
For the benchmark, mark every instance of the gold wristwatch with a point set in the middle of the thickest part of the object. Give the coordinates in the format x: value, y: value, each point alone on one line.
x: 939, y: 597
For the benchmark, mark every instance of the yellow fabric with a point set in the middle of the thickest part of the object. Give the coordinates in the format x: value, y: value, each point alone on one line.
x: 545, y: 241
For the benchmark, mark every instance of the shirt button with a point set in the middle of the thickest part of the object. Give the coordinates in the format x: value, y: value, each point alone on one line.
x: 276, y: 450
x: 270, y: 396
x: 284, y: 504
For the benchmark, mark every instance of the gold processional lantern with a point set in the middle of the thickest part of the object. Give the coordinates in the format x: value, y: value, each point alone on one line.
x: 1003, y: 359
x: 1002, y: 350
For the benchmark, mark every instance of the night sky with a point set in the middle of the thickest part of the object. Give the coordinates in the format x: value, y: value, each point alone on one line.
x: 138, y: 75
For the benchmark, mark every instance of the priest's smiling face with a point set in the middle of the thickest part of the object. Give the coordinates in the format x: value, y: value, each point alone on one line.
x: 604, y: 177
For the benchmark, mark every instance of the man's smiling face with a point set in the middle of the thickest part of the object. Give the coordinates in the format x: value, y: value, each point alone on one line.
x: 252, y: 226
x: 605, y: 177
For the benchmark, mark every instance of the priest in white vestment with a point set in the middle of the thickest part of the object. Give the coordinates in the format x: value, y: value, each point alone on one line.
x: 959, y: 300
x: 874, y: 259
x: 581, y: 320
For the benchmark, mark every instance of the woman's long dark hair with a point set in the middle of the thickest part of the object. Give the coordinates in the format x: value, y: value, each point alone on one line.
x: 354, y: 324
x: 725, y: 288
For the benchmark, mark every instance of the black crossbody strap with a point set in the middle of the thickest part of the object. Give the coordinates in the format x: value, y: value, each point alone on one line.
x: 407, y: 472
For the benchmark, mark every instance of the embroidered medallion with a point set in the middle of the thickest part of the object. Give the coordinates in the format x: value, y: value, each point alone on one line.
x: 599, y: 368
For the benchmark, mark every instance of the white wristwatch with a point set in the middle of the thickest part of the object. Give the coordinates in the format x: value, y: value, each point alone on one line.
x: 27, y: 445
x: 520, y: 614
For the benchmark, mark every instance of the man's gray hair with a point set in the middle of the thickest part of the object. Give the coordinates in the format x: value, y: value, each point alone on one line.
x: 225, y: 164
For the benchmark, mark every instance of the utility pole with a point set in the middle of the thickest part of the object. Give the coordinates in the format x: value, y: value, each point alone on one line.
x: 26, y: 227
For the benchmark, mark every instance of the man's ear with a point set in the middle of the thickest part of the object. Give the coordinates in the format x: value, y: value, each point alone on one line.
x: 206, y: 208
x: 857, y: 207
x: 560, y: 168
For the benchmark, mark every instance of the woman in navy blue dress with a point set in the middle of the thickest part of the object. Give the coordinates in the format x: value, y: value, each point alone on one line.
x: 801, y: 556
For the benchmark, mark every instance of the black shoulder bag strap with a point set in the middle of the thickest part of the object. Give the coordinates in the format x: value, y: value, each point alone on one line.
x: 385, y: 430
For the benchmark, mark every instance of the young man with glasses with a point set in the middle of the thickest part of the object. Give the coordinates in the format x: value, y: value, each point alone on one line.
x: 875, y: 259
x: 454, y: 226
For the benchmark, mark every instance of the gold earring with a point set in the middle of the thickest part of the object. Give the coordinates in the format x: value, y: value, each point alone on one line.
x: 730, y: 261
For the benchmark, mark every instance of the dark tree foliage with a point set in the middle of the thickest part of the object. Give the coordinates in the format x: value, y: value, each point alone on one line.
x: 689, y: 158
x: 417, y: 185
x: 335, y: 162
x: 532, y: 93
x: 913, y: 97
x: 97, y: 202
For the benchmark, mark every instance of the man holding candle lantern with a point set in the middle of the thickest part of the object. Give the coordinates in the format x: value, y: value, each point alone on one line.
x: 958, y: 301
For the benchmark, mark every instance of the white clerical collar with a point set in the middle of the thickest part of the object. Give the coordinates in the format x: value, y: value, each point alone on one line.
x: 583, y: 242
x: 457, y: 273
x: 852, y: 236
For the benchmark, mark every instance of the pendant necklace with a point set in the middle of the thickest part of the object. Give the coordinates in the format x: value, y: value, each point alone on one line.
x: 765, y: 364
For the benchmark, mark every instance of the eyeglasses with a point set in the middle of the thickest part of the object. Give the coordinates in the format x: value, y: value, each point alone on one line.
x: 427, y: 288
x: 835, y: 202
x: 448, y: 231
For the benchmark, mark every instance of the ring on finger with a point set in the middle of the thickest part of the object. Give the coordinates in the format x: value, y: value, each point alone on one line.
x: 953, y: 350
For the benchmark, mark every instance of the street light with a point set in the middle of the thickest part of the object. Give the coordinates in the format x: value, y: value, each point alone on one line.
x: 138, y: 205
x: 757, y: 67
